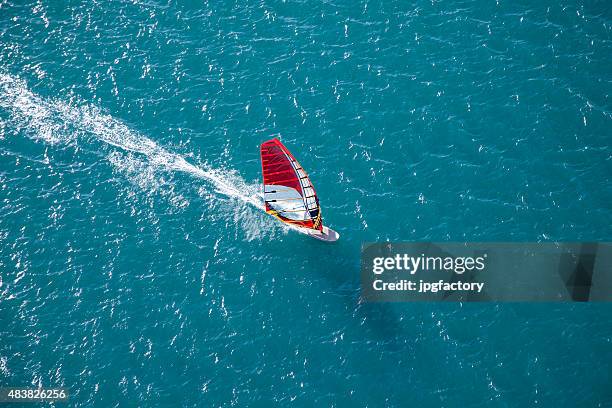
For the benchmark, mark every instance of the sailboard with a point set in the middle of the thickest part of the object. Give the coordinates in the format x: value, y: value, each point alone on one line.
x: 288, y: 193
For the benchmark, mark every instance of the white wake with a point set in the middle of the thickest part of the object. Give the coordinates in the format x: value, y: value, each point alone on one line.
x: 56, y: 121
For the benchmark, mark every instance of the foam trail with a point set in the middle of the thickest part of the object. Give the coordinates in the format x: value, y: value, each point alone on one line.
x: 56, y: 121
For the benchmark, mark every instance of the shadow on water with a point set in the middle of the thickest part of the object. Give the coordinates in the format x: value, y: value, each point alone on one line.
x: 381, y: 322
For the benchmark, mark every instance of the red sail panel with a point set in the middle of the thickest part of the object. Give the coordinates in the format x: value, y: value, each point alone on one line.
x: 288, y: 192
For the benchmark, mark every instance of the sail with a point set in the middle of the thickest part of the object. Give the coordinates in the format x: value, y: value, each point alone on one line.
x: 288, y: 192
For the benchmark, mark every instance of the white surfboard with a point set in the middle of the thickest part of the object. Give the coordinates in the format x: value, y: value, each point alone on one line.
x: 327, y: 235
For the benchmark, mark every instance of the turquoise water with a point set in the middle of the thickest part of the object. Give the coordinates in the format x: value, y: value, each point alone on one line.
x: 136, y: 268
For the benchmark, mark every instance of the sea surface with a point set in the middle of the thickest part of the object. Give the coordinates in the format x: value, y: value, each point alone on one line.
x: 137, y: 268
